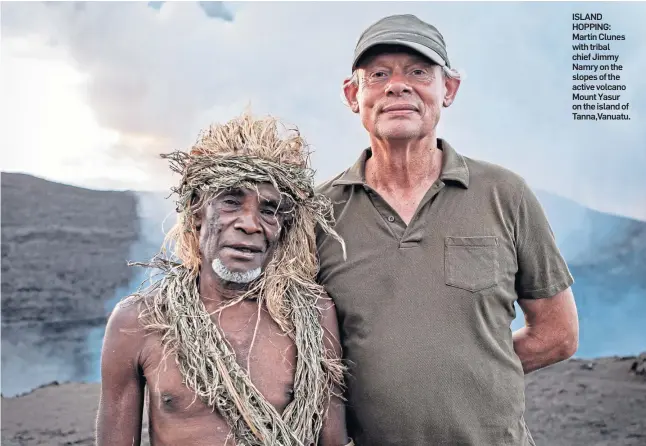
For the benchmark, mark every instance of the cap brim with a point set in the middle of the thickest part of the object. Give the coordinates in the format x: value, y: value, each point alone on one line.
x: 423, y: 50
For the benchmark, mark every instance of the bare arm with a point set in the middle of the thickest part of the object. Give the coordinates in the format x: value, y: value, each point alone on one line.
x: 122, y: 385
x: 334, y: 431
x: 551, y: 332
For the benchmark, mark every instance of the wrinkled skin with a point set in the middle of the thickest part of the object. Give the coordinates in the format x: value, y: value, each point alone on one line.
x: 400, y: 95
x: 240, y: 227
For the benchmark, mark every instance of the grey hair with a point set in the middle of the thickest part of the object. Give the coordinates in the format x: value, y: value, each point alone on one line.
x: 452, y: 73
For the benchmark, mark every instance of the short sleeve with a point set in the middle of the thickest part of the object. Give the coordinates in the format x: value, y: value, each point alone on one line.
x: 542, y: 270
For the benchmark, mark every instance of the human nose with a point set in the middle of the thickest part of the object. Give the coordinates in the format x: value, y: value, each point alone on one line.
x: 397, y: 84
x: 248, y: 221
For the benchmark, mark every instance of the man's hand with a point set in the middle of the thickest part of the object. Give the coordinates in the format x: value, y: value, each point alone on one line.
x: 551, y: 332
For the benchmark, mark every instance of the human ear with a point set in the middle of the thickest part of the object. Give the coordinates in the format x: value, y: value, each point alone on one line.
x: 451, y: 86
x: 350, y: 91
x: 197, y: 212
x: 197, y: 220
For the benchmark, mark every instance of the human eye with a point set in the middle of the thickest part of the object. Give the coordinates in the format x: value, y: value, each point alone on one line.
x: 269, y: 208
x: 378, y: 74
x: 421, y: 73
x: 229, y: 202
x: 270, y: 216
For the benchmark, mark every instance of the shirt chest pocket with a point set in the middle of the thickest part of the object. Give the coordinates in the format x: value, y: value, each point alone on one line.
x: 471, y: 263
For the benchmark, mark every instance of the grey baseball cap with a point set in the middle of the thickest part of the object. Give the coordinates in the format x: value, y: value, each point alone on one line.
x: 406, y: 30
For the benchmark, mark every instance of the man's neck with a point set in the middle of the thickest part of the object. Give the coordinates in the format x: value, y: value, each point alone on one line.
x: 214, y: 291
x: 403, y: 166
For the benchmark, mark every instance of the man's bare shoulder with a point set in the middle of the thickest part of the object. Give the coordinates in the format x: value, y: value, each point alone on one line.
x: 124, y: 321
x: 126, y: 312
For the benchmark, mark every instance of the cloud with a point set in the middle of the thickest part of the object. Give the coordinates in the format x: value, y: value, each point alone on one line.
x: 158, y: 75
x: 216, y: 10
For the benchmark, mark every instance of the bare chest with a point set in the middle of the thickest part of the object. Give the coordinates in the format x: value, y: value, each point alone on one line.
x: 263, y: 352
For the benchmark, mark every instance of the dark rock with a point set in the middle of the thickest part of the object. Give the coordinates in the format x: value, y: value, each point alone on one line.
x: 639, y: 365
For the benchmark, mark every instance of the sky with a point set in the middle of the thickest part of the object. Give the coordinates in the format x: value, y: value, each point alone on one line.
x: 92, y: 93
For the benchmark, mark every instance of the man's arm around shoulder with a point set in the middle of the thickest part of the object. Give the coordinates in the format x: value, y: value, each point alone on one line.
x: 551, y: 331
x: 119, y: 416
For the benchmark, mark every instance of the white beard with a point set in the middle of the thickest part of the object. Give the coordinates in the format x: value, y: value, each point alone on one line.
x: 229, y: 276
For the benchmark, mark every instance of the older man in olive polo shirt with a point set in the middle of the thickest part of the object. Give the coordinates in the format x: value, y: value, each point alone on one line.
x: 439, y: 247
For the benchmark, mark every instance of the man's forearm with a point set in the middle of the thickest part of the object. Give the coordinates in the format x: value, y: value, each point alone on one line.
x: 334, y: 432
x: 110, y: 433
x: 537, y: 350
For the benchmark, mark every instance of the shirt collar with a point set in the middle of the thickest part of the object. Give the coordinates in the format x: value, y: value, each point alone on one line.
x: 454, y: 167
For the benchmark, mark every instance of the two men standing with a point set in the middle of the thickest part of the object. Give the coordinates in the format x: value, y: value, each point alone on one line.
x: 437, y: 249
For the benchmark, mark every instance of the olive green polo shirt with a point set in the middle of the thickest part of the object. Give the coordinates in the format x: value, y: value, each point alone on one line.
x: 425, y: 309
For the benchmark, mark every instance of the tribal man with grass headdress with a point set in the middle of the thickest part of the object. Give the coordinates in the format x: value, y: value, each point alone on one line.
x: 236, y: 343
